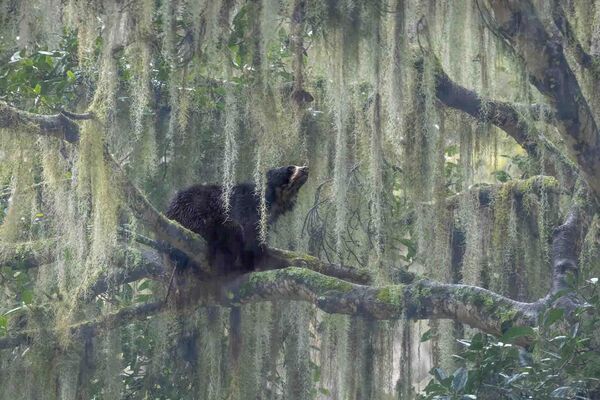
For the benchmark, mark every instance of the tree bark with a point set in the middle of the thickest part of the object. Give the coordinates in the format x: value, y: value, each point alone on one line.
x: 551, y: 74
x: 305, y: 281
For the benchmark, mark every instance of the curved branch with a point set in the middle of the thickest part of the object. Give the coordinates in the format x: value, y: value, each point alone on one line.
x: 63, y: 127
x: 474, y: 306
x: 502, y: 114
x: 59, y: 125
x: 423, y: 299
x: 551, y: 74
x: 509, y: 117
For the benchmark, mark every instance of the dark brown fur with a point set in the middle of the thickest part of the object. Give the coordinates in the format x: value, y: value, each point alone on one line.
x: 233, y: 237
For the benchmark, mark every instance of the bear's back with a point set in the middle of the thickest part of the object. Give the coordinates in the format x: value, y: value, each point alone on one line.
x: 200, y: 207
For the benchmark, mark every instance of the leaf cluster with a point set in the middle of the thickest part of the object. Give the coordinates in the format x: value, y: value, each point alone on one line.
x: 563, y: 362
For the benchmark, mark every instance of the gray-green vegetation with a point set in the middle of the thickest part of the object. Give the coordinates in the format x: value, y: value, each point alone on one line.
x: 450, y: 221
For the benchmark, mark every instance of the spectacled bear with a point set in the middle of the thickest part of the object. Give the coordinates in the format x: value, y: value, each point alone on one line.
x: 233, y: 235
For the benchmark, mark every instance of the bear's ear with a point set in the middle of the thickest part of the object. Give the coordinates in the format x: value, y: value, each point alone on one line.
x: 270, y: 175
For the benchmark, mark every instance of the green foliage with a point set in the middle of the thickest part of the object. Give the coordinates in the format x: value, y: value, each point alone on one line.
x: 42, y: 78
x: 453, y: 173
x: 562, y: 363
x: 502, y: 176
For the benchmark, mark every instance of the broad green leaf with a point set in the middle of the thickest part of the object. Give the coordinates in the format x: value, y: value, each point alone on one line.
x: 561, y: 392
x: 439, y: 374
x: 517, y: 332
x: 460, y: 379
x: 427, y: 335
x: 553, y: 315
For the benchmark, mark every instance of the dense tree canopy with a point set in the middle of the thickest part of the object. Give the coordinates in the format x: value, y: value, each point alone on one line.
x: 449, y: 225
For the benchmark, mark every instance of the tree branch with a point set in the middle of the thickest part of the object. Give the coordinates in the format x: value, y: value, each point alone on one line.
x: 191, y: 244
x: 275, y: 258
x: 477, y: 307
x: 63, y: 127
x: 584, y: 59
x: 90, y: 328
x: 551, y: 74
x: 511, y: 118
x: 502, y: 114
x: 27, y: 255
x: 422, y: 299
x: 59, y: 125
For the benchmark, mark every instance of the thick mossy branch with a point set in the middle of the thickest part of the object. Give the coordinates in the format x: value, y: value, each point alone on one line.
x: 477, y: 307
x: 551, y: 74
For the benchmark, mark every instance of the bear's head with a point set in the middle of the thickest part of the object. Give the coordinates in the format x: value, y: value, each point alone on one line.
x: 282, y: 188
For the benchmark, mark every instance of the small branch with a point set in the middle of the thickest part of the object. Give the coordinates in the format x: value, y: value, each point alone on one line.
x: 77, y: 117
x: 278, y: 259
x: 28, y: 255
x: 59, y: 125
x: 151, y: 268
x: 90, y: 328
